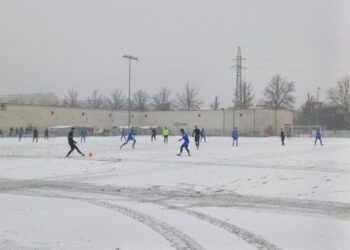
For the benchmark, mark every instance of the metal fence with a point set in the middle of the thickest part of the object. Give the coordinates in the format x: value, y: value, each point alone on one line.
x: 337, y: 133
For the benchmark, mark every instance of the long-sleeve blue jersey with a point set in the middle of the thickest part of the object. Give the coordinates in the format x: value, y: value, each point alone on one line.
x: 131, y: 136
x: 235, y: 134
x: 185, y: 138
x: 318, y: 134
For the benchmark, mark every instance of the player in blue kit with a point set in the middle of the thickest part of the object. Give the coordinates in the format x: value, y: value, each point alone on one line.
x: 235, y: 136
x: 318, y: 136
x: 185, y: 143
x: 131, y: 137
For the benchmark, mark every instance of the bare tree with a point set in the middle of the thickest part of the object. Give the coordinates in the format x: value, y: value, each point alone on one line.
x: 48, y: 99
x: 340, y: 96
x: 71, y: 98
x: 244, y: 96
x: 216, y: 104
x: 161, y: 101
x: 116, y: 100
x: 96, y: 100
x: 140, y: 100
x: 279, y: 93
x: 189, y: 99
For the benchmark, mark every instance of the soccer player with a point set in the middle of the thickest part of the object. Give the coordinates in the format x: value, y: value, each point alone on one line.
x: 282, y: 136
x: 131, y: 137
x: 165, y: 134
x: 122, y: 134
x: 46, y: 134
x: 154, y: 132
x: 35, y: 134
x: 72, y: 143
x: 83, y: 134
x: 20, y: 134
x: 318, y: 136
x: 196, y: 134
x: 185, y: 143
x: 235, y: 137
x: 11, y: 132
x: 203, y: 136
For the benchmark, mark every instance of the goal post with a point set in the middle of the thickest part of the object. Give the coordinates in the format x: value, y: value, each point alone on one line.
x: 303, y: 130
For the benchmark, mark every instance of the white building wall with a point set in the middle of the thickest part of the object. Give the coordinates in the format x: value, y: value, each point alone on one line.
x: 46, y: 116
x: 219, y: 122
x: 174, y: 120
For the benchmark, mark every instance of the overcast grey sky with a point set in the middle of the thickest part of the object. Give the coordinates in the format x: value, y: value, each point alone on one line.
x: 52, y: 46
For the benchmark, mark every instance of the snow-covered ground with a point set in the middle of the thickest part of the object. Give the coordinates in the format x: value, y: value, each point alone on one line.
x: 257, y: 196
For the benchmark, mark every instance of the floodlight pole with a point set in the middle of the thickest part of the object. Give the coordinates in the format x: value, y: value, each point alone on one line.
x: 318, y: 105
x: 129, y: 101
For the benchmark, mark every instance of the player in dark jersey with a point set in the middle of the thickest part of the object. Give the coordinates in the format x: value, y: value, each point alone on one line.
x: 282, y: 136
x: 153, y: 132
x: 72, y: 143
x: 196, y: 134
x: 35, y: 135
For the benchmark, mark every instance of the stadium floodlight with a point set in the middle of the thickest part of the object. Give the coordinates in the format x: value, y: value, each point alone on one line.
x: 131, y: 57
x: 129, y: 101
x: 318, y: 104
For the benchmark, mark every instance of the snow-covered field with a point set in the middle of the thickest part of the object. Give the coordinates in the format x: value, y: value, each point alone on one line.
x: 257, y: 196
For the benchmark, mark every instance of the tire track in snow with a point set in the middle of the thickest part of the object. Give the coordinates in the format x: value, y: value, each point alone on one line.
x: 252, y: 239
x: 191, y: 198
x: 331, y: 209
x: 199, y: 163
x: 247, y: 236
x: 175, y: 237
x: 178, y: 239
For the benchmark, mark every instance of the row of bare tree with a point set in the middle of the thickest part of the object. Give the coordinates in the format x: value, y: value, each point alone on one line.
x: 188, y: 99
x: 278, y: 94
